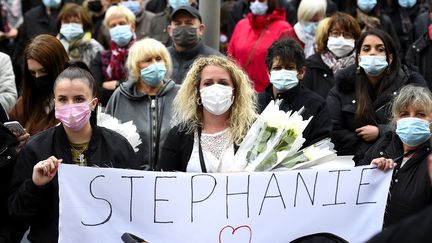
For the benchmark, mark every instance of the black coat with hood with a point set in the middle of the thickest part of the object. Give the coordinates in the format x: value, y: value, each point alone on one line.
x: 39, y: 206
x: 296, y: 98
x: 129, y: 104
x: 342, y: 102
x: 411, y: 189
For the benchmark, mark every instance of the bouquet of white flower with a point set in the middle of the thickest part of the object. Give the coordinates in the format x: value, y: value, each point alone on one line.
x: 274, y: 136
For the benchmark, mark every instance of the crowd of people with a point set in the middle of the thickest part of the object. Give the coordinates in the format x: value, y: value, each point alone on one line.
x: 359, y: 68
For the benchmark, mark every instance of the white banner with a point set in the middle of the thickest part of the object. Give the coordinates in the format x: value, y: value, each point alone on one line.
x: 100, y: 204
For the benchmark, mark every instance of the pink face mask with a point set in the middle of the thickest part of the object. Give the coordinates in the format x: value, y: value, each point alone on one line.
x: 73, y: 116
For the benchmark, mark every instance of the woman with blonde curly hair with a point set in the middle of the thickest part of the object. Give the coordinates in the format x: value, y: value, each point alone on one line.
x: 213, y: 111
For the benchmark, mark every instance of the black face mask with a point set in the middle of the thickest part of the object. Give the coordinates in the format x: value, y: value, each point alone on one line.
x: 185, y: 36
x: 95, y: 6
x: 44, y: 83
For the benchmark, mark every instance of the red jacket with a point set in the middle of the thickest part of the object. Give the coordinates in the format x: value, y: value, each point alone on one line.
x: 245, y: 36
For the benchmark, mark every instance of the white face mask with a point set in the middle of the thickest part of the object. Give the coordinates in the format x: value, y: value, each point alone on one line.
x: 258, y: 8
x: 340, y: 46
x: 284, y: 79
x: 217, y: 98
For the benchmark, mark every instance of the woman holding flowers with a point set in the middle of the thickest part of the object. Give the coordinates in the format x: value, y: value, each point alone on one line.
x: 213, y: 111
x: 360, y: 100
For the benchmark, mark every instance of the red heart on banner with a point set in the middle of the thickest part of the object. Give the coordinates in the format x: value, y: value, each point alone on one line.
x: 243, y: 233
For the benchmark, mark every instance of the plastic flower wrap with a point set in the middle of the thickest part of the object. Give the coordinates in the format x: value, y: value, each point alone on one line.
x: 127, y: 129
x: 274, y: 136
x: 318, y: 153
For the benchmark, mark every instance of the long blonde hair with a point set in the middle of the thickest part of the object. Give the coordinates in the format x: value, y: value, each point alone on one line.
x: 187, y: 112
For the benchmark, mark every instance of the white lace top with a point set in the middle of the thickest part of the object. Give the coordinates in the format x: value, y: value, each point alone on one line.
x: 217, y: 152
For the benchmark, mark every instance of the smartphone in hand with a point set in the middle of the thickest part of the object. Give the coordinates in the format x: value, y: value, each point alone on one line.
x: 15, y: 127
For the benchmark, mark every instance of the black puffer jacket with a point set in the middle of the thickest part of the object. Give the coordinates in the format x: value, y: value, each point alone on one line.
x: 411, y: 189
x: 296, y: 98
x: 342, y: 103
x: 318, y: 76
x: 39, y: 206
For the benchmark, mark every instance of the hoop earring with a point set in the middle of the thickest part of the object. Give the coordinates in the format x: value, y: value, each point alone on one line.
x: 198, y: 101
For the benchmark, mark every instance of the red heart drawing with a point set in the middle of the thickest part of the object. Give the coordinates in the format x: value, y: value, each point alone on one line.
x: 233, y: 231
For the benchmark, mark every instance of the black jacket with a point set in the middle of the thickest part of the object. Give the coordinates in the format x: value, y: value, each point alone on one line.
x: 318, y: 76
x: 176, y: 150
x: 412, y: 229
x: 294, y: 99
x: 411, y: 189
x: 182, y: 61
x: 342, y: 103
x: 419, y: 57
x: 39, y: 206
x: 10, y: 231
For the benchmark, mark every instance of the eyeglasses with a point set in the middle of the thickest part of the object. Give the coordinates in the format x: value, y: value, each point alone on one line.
x: 337, y: 33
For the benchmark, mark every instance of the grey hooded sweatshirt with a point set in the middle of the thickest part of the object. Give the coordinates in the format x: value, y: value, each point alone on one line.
x: 150, y: 114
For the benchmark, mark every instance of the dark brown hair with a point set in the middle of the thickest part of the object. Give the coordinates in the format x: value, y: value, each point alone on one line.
x: 50, y: 53
x: 365, y: 110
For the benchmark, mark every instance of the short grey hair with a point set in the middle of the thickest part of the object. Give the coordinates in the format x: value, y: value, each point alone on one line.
x: 417, y: 96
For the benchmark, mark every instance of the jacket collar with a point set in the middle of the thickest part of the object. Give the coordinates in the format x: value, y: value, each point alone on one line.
x: 190, y: 53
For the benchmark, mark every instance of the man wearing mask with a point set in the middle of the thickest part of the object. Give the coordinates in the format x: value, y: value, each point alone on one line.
x: 142, y: 17
x: 186, y: 30
x: 285, y: 63
x: 159, y: 23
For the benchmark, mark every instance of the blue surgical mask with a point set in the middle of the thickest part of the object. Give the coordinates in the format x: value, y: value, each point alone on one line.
x: 258, y: 8
x: 153, y: 74
x: 407, y: 3
x: 72, y: 31
x: 134, y: 6
x: 52, y: 3
x: 310, y: 28
x: 121, y: 34
x: 366, y: 5
x: 284, y: 79
x: 177, y: 3
x: 373, y: 65
x: 413, y: 131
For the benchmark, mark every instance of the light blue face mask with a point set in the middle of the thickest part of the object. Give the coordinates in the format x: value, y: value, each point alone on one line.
x: 72, y: 31
x: 413, y: 131
x: 52, y: 3
x: 134, y: 6
x: 258, y: 8
x: 284, y: 79
x: 121, y: 34
x: 373, y: 65
x: 310, y: 28
x: 366, y: 5
x: 407, y: 3
x: 177, y: 3
x: 153, y: 74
